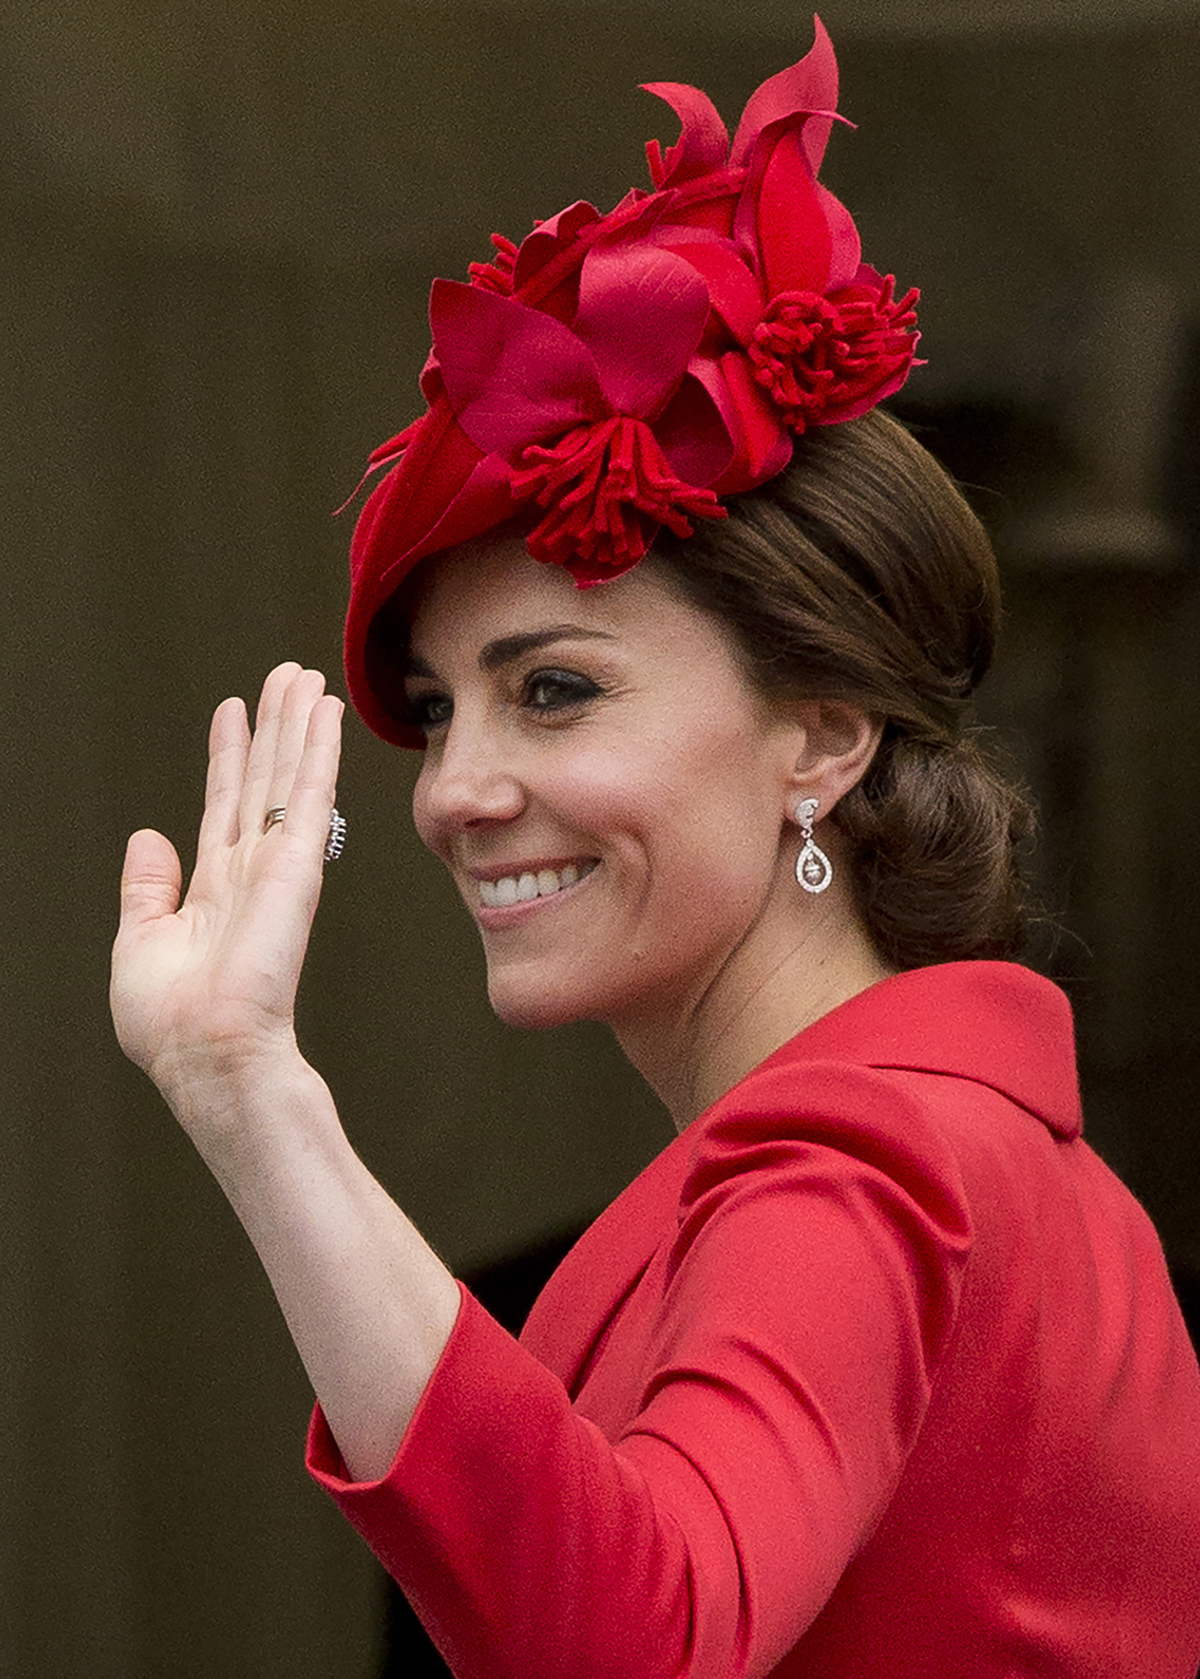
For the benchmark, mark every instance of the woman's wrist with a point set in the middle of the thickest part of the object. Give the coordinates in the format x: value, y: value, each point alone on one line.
x: 246, y: 1114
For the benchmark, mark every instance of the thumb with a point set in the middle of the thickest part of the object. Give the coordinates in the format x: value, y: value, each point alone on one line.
x: 150, y: 880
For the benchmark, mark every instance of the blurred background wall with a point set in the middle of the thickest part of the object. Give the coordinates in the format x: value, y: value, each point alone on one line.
x: 220, y: 226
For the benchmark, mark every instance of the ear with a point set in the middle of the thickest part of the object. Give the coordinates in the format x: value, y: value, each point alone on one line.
x: 837, y: 741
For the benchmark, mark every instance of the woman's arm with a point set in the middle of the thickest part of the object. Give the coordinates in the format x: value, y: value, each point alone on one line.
x: 203, y: 996
x: 741, y: 1405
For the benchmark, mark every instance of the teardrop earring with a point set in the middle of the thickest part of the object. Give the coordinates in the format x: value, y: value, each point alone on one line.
x: 814, y: 871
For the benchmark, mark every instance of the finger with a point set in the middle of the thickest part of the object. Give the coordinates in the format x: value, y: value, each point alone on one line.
x: 254, y: 801
x: 228, y: 751
x: 314, y: 784
x: 289, y: 862
x: 150, y: 880
x: 303, y: 693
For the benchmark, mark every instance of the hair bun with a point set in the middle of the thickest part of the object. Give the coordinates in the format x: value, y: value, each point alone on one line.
x: 938, y: 835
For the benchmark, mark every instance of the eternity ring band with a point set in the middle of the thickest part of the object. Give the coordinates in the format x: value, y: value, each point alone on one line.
x: 335, y: 840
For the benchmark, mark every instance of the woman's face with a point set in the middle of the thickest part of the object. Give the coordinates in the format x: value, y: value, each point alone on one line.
x: 605, y: 788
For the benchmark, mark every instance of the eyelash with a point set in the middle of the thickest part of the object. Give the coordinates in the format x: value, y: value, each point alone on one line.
x: 418, y: 712
x: 575, y: 691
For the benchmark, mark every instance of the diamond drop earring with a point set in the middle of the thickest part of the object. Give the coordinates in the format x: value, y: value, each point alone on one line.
x: 814, y: 871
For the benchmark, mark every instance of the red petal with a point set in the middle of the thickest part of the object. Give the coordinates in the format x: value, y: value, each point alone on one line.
x: 704, y: 207
x: 845, y: 246
x: 431, y: 376
x: 782, y: 212
x: 733, y: 290
x: 809, y: 86
x: 642, y: 312
x: 702, y: 147
x: 763, y: 444
x: 512, y: 374
x: 692, y: 433
x: 550, y: 237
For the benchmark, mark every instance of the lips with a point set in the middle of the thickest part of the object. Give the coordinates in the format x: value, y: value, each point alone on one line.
x: 523, y: 887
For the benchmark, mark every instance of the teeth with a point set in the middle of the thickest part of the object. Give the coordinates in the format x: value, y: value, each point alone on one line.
x: 519, y: 889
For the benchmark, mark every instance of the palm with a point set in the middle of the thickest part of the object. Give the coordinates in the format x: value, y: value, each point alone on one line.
x: 211, y: 980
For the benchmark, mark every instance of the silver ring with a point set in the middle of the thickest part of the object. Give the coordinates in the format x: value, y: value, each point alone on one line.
x: 336, y: 839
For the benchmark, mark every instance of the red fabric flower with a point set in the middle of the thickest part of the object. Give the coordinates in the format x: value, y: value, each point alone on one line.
x: 597, y: 420
x: 828, y: 359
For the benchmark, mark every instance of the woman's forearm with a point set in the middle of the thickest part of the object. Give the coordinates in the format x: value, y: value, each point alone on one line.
x: 203, y: 992
x: 368, y: 1303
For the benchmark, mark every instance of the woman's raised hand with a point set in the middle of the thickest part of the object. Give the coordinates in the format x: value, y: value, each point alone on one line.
x: 203, y: 991
x: 202, y: 996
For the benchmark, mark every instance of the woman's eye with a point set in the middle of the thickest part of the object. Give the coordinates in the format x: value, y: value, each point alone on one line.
x: 429, y: 711
x: 557, y: 690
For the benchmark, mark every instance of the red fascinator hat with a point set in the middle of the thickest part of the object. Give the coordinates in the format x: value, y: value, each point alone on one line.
x: 616, y: 373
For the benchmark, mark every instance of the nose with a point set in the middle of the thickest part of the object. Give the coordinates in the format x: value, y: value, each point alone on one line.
x: 464, y: 782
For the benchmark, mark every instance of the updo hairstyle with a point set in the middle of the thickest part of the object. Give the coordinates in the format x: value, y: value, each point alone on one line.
x: 861, y: 574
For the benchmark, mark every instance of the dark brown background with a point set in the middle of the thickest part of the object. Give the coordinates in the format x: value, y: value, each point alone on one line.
x: 221, y: 222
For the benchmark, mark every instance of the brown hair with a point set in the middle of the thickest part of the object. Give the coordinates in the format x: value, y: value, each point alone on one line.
x: 861, y: 573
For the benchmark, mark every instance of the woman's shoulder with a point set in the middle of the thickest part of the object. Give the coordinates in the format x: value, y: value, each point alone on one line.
x: 918, y: 1080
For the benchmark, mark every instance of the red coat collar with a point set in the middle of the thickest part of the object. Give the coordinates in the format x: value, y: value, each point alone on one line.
x: 994, y: 1022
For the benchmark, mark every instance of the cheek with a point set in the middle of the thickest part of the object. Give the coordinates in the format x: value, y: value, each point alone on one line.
x: 423, y: 822
x: 685, y: 839
x: 618, y: 798
x: 698, y: 778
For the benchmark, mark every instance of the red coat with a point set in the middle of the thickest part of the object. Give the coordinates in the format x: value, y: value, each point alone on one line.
x: 874, y: 1372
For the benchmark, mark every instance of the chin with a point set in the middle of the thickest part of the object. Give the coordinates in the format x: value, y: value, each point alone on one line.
x: 535, y: 1002
x: 532, y: 1010
x: 536, y: 990
x: 539, y: 993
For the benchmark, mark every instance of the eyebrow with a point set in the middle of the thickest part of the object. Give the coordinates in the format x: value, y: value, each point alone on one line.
x: 506, y: 648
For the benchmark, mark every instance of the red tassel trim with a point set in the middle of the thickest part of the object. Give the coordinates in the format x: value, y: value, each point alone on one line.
x: 496, y: 276
x: 608, y: 486
x: 828, y: 359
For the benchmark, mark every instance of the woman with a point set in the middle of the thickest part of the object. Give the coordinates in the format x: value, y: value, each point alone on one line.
x: 876, y: 1368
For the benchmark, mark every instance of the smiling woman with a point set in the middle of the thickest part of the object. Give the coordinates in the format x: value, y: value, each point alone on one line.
x: 876, y: 1368
x: 624, y: 745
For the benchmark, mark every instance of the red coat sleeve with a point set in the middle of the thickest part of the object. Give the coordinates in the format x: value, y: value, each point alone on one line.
x: 759, y: 1394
